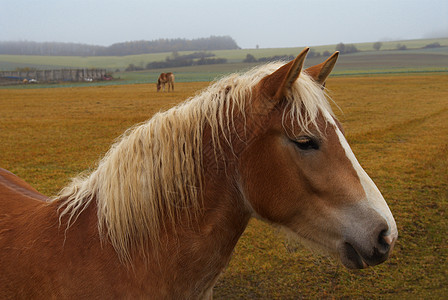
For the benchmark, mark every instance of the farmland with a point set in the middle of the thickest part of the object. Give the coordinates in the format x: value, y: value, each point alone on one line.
x: 397, y: 126
x: 358, y: 64
x: 389, y: 60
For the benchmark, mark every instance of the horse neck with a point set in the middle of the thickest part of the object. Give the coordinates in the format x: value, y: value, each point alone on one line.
x: 222, y: 196
x: 210, y: 239
x: 219, y: 226
x: 196, y: 255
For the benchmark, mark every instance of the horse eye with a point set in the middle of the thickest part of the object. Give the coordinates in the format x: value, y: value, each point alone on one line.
x: 306, y: 143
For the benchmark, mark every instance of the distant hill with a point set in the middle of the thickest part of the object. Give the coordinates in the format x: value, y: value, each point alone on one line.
x: 424, y: 55
x: 118, y: 49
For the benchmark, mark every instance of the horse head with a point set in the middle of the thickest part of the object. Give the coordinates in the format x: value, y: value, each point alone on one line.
x: 299, y: 172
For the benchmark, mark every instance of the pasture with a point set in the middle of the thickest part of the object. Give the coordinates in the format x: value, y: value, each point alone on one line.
x: 397, y: 127
x: 421, y: 58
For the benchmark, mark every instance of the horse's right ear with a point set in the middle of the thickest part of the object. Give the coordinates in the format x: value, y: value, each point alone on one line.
x: 278, y: 85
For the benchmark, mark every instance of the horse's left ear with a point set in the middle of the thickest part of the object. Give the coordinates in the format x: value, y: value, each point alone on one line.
x: 321, y: 71
x: 278, y: 84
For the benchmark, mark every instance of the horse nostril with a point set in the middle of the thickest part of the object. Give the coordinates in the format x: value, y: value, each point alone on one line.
x: 385, y: 241
x: 389, y: 239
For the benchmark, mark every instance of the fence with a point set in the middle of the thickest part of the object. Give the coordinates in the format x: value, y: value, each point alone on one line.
x: 55, y: 75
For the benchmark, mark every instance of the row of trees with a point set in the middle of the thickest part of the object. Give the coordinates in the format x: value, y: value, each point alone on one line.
x: 172, y: 45
x: 118, y: 49
x: 141, y: 47
x: 251, y: 59
x: 377, y: 46
x: 345, y: 49
x: 49, y: 48
x: 176, y: 60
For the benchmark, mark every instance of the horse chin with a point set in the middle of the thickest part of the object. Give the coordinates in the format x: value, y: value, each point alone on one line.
x: 350, y: 258
x: 346, y: 253
x: 310, y: 242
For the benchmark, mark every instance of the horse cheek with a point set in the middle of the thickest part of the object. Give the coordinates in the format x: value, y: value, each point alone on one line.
x: 270, y: 184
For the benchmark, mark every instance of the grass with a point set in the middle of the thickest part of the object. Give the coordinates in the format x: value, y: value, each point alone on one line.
x: 112, y: 63
x: 364, y: 63
x: 397, y: 126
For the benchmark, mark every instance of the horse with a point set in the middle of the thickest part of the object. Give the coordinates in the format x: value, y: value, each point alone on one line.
x: 165, y: 78
x: 160, y: 215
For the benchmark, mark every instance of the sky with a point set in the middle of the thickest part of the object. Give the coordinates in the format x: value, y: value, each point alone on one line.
x: 266, y: 23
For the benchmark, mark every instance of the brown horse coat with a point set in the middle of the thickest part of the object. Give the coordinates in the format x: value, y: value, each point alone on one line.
x: 44, y: 258
x: 50, y: 262
x: 161, y: 214
x: 165, y: 78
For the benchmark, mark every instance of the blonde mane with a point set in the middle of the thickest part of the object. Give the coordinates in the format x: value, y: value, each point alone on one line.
x: 153, y: 173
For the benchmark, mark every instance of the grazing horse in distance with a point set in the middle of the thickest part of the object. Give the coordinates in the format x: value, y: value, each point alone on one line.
x: 161, y: 214
x: 165, y: 78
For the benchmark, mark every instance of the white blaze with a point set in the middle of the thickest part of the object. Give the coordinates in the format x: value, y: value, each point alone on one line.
x: 373, y: 195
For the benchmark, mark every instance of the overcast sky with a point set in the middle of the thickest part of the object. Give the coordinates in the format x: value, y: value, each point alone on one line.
x: 267, y: 23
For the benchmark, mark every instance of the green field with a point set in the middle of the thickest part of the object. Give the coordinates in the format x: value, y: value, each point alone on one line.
x: 363, y: 63
x: 368, y: 61
x: 397, y: 127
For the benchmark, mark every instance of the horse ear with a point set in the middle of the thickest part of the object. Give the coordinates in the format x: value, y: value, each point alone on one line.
x: 321, y: 71
x: 278, y: 84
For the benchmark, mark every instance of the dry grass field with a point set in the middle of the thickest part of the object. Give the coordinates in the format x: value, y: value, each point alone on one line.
x: 397, y: 126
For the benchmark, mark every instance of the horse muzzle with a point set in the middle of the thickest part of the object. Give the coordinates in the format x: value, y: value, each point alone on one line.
x: 368, y: 242
x: 354, y: 257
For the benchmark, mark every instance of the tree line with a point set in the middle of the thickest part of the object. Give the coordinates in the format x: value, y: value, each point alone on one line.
x: 176, y: 60
x: 251, y: 59
x: 118, y: 49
